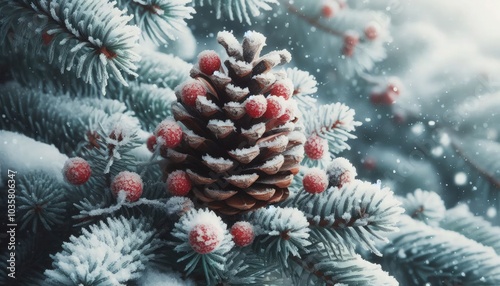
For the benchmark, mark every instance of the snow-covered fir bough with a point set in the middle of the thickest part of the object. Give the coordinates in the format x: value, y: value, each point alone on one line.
x: 148, y: 170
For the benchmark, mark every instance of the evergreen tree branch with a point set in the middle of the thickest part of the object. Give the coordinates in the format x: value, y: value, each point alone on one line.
x: 333, y: 122
x: 423, y: 254
x: 240, y: 9
x: 60, y: 120
x: 111, y: 252
x: 461, y: 220
x: 97, y: 45
x: 355, y: 214
x: 319, y: 268
x: 41, y: 201
x: 163, y: 70
x: 158, y: 19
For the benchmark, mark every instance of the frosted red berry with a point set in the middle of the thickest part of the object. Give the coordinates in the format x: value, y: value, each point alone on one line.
x: 243, y: 233
x: 315, y: 181
x: 283, y: 88
x: 77, y: 171
x: 151, y: 143
x: 287, y: 116
x: 178, y: 183
x: 46, y: 38
x: 371, y: 31
x: 315, y: 147
x: 387, y: 97
x: 169, y: 133
x: 209, y: 62
x: 256, y: 106
x: 190, y: 92
x: 276, y: 107
x: 130, y: 183
x: 351, y: 40
x: 204, y: 238
x: 327, y: 11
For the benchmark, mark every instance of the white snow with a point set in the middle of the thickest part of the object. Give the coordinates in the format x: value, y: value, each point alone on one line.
x: 340, y: 166
x: 170, y: 278
x: 274, y: 161
x: 281, y: 140
x: 244, y: 151
x: 23, y: 155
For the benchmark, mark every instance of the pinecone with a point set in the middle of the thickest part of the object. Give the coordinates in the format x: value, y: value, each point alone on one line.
x: 236, y: 161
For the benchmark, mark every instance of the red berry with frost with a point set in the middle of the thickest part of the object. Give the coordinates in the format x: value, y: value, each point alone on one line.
x: 190, y: 92
x: 204, y: 238
x: 169, y: 133
x: 276, y: 107
x: 372, y: 31
x: 130, y: 183
x: 151, y: 143
x: 351, y: 39
x: 46, y: 38
x: 287, y: 116
x: 315, y: 181
x: 327, y: 11
x: 77, y: 171
x: 256, y: 106
x: 283, y: 88
x: 384, y: 98
x: 316, y: 147
x: 369, y: 163
x: 178, y: 183
x: 209, y: 62
x: 243, y: 233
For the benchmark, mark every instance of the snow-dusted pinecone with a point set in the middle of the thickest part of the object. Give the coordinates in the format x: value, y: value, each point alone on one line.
x: 241, y: 146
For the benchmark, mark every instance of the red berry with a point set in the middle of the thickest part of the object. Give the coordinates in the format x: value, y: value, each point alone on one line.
x: 178, y: 183
x: 316, y: 147
x: 243, y: 233
x: 372, y: 31
x: 385, y: 98
x: 129, y: 182
x: 151, y: 143
x: 204, y: 238
x: 283, y: 88
x: 169, y: 133
x: 46, y: 38
x: 340, y: 172
x: 276, y: 106
x: 351, y: 39
x: 190, y: 92
x: 209, y: 62
x: 315, y: 181
x: 256, y: 106
x: 76, y: 171
x: 327, y: 11
x: 369, y: 163
x: 289, y: 115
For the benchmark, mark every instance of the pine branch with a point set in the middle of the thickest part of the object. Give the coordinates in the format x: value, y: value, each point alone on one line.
x: 357, y: 213
x: 150, y: 103
x: 98, y: 45
x: 41, y: 201
x: 60, y: 120
x: 163, y: 70
x: 318, y: 268
x: 240, y: 9
x: 111, y: 252
x: 478, y: 153
x: 424, y: 206
x: 283, y: 233
x: 461, y: 220
x: 158, y: 19
x: 425, y: 254
x: 333, y: 122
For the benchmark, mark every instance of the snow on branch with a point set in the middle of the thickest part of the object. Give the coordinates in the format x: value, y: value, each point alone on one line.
x: 357, y: 213
x: 69, y: 32
x: 283, y: 232
x: 116, y: 251
x: 350, y: 269
x: 163, y: 70
x: 425, y: 206
x: 432, y: 255
x: 58, y: 120
x: 460, y: 219
x: 238, y: 9
x: 41, y: 201
x: 333, y: 122
x: 158, y: 19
